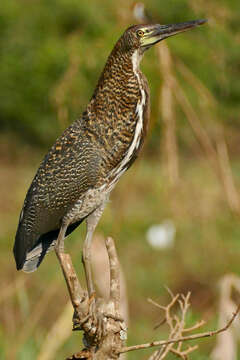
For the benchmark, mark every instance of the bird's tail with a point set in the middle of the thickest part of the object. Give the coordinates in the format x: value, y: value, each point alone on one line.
x: 29, y: 260
x: 36, y: 255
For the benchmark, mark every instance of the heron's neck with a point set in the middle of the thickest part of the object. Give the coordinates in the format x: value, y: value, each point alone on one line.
x: 121, y: 80
x: 119, y: 68
x: 136, y: 58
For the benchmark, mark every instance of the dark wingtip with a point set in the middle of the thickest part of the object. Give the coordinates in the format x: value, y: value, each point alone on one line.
x: 19, y: 250
x: 19, y: 258
x: 19, y: 266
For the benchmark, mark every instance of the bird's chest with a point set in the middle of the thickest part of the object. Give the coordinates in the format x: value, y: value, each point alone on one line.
x: 86, y: 204
x: 131, y: 134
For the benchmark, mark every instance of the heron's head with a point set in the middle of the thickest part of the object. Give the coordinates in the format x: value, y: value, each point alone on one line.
x: 142, y: 37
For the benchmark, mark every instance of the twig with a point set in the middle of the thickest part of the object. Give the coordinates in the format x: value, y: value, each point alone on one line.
x: 114, y: 274
x: 184, y: 338
x: 194, y: 327
x: 77, y: 295
x: 80, y: 302
x: 183, y: 354
x: 174, y: 299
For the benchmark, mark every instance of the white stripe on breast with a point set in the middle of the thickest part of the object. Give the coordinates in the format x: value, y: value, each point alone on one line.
x: 117, y: 172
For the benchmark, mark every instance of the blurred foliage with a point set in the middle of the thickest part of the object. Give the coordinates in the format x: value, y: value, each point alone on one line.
x: 38, y: 39
x: 206, y: 247
x: 51, y: 55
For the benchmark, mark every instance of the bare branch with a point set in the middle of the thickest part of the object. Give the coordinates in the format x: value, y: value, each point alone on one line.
x: 174, y: 299
x: 184, y: 338
x: 99, y: 319
x: 78, y: 296
x: 105, y: 331
x: 195, y: 327
x: 114, y: 274
x: 183, y: 354
x: 169, y: 291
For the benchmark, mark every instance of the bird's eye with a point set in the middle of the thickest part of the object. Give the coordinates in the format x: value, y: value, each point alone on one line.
x: 140, y: 33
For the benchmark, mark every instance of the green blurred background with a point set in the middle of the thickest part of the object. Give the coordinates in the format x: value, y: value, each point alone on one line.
x: 51, y: 55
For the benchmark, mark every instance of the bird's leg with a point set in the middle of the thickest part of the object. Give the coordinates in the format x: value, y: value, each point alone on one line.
x: 77, y: 295
x: 59, y: 247
x: 92, y: 222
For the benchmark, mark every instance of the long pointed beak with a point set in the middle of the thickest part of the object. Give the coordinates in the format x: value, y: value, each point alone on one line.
x: 160, y: 32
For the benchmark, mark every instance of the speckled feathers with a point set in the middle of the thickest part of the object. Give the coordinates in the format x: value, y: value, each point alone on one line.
x: 91, y: 155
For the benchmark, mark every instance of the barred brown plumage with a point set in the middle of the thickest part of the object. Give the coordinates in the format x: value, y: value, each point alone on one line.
x: 77, y: 175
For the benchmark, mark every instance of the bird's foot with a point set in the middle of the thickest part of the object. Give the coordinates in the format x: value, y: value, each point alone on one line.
x: 78, y: 323
x: 114, y: 317
x: 103, y: 324
x: 95, y: 324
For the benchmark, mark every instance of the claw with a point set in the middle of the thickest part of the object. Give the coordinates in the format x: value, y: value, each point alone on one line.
x: 77, y: 324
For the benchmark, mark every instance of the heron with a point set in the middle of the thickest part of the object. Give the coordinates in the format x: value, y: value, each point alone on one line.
x: 74, y: 181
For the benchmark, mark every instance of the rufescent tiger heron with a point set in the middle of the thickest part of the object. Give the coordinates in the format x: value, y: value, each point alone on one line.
x: 74, y: 181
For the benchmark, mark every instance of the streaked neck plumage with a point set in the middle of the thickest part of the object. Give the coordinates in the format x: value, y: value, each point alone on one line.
x: 117, y: 112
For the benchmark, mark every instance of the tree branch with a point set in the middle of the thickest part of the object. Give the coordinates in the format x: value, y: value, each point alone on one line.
x: 104, y: 329
x: 184, y: 338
